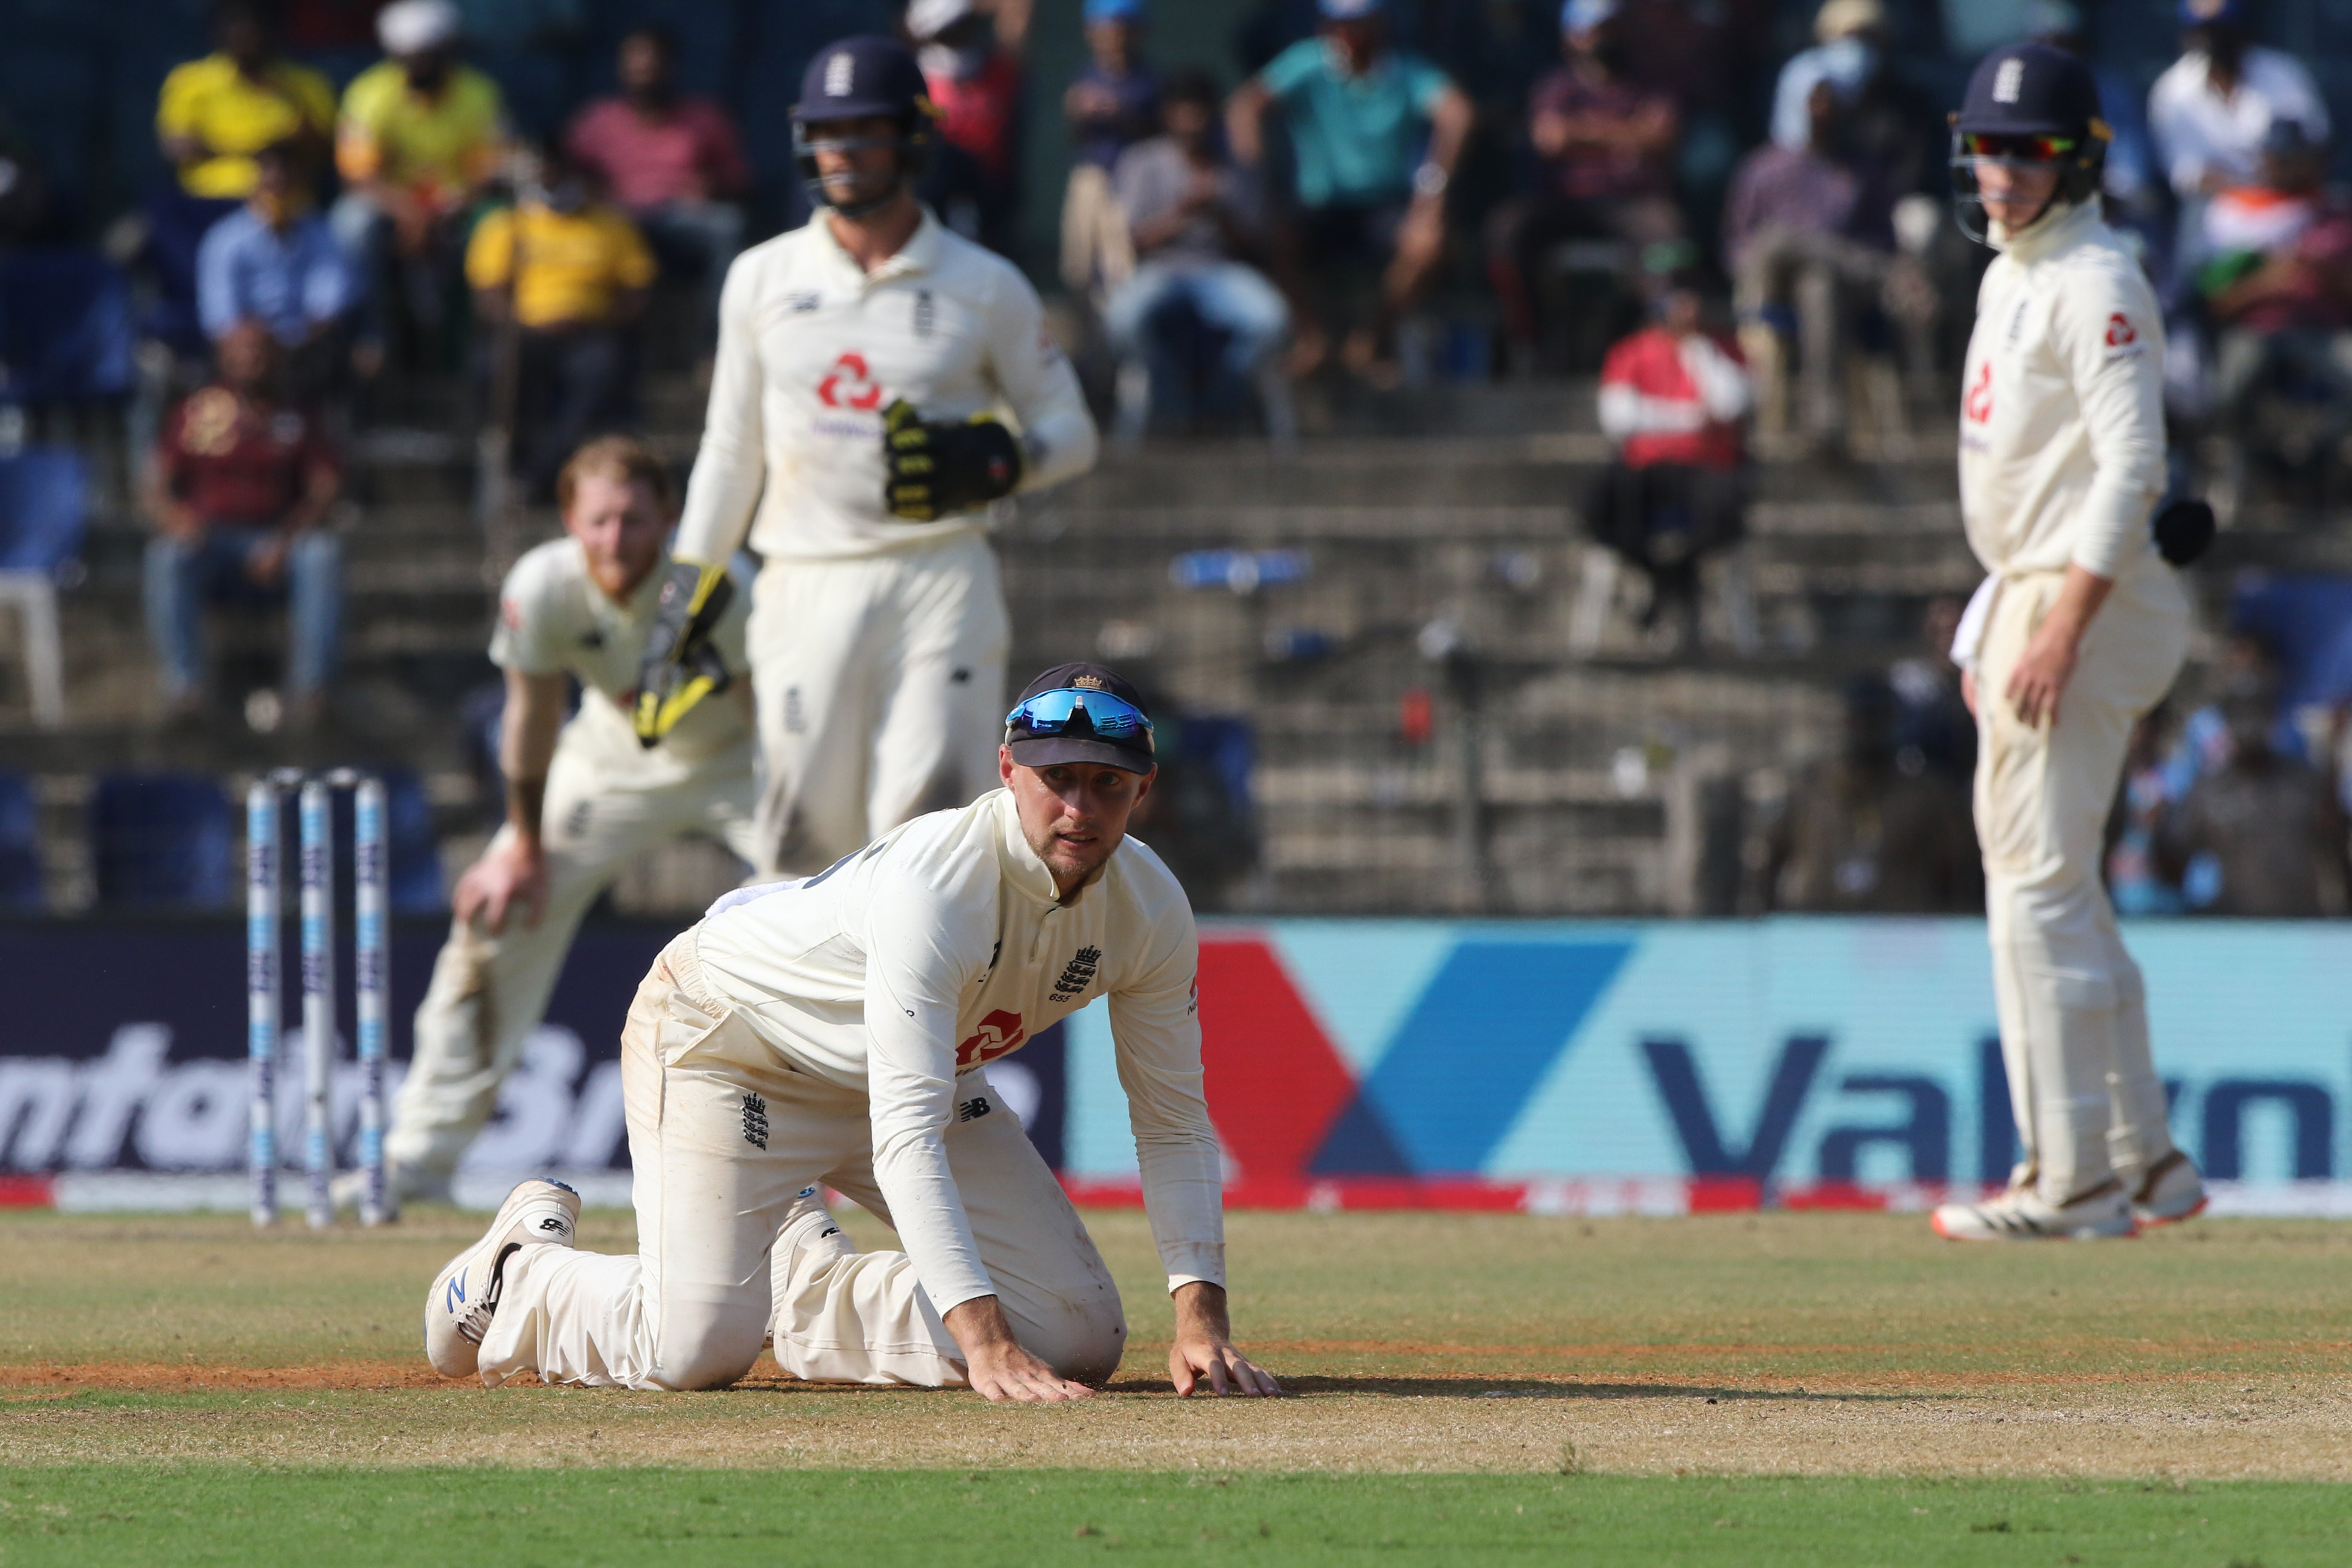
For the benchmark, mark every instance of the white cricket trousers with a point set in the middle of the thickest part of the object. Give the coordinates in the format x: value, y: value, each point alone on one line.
x: 489, y: 992
x: 2071, y: 1005
x: 880, y: 685
x: 723, y: 1136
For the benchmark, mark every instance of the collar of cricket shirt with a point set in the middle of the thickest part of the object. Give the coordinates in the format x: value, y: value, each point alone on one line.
x: 2060, y: 225
x: 919, y: 254
x: 1023, y: 870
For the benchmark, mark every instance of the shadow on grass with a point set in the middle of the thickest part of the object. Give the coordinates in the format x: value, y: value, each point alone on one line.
x: 1392, y: 1386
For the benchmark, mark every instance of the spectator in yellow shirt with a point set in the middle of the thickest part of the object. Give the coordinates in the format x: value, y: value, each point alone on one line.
x: 217, y: 112
x: 421, y: 134
x: 570, y: 271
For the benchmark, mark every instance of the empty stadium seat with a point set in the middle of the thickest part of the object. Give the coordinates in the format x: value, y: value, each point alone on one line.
x: 65, y: 327
x: 20, y: 847
x: 44, y: 504
x: 162, y: 842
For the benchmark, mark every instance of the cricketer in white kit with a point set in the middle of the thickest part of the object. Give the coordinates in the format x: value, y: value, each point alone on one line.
x: 583, y: 796
x: 2079, y: 629
x: 836, y: 1030
x: 868, y: 364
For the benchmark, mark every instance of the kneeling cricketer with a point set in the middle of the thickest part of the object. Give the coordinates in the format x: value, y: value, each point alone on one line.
x: 836, y: 1030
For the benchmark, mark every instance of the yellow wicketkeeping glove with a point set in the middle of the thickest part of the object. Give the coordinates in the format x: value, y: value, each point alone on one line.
x: 938, y: 469
x: 681, y: 668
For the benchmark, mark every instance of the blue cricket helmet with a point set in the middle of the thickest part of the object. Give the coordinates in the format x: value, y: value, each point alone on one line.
x: 860, y: 77
x: 2029, y: 103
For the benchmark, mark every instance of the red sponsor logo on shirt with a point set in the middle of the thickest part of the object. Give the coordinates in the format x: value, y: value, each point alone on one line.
x: 2119, y: 331
x: 849, y: 385
x: 1978, y: 404
x: 999, y: 1033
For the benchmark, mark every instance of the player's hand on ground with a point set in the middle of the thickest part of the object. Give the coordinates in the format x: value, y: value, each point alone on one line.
x: 1203, y: 1356
x: 1009, y: 1372
x: 996, y: 1365
x: 509, y: 878
x: 1202, y: 1365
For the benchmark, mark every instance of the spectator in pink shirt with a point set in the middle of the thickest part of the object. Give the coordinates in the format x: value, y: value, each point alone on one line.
x: 673, y: 163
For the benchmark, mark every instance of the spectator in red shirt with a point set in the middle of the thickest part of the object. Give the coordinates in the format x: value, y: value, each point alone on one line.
x: 239, y: 486
x: 673, y: 163
x: 1673, y: 397
x: 1606, y: 144
x: 970, y: 56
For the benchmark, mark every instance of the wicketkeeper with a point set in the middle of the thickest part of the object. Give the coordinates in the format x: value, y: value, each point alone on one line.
x: 837, y: 1031
x: 583, y: 796
x: 880, y: 381
x: 2079, y: 629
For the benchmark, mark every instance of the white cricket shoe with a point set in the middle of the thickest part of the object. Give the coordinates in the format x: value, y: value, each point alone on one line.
x: 2172, y: 1190
x: 2021, y: 1215
x: 465, y: 1294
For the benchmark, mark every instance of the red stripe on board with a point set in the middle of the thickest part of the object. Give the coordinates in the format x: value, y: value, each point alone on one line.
x: 27, y: 1193
x: 1275, y: 1083
x: 1704, y: 1194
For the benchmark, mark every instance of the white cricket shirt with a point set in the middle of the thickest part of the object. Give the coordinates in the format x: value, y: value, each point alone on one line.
x: 940, y: 947
x: 555, y: 620
x: 2061, y: 411
x: 812, y: 348
x: 2197, y: 131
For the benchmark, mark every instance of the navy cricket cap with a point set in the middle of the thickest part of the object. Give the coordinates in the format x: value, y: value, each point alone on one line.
x: 2030, y: 89
x: 1079, y: 742
x: 861, y: 75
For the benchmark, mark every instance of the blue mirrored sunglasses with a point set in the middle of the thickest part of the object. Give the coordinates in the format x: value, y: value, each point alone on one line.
x: 1053, y: 712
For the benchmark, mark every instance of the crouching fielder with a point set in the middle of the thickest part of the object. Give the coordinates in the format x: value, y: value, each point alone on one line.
x: 2079, y: 629
x: 583, y: 797
x: 836, y: 1030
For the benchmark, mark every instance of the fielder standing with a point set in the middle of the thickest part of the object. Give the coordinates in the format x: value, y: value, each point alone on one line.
x: 583, y: 796
x: 836, y: 1029
x: 879, y: 382
x: 2079, y: 629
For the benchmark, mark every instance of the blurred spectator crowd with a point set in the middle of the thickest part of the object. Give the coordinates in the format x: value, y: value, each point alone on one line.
x: 1734, y: 212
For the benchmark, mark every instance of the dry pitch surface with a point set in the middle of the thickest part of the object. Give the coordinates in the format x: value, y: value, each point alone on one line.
x: 1776, y: 1344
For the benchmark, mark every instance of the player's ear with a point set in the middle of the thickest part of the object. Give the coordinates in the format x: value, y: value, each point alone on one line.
x: 1143, y: 785
x: 1004, y: 764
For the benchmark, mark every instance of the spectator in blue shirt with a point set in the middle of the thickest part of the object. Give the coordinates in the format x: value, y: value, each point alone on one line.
x: 1112, y: 104
x: 275, y: 261
x: 1375, y: 134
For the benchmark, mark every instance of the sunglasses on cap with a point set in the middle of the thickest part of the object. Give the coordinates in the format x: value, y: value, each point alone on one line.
x: 2011, y: 147
x: 1054, y: 712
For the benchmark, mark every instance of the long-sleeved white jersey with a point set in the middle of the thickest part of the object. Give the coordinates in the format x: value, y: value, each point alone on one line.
x: 812, y: 348
x: 2062, y: 412
x: 941, y: 946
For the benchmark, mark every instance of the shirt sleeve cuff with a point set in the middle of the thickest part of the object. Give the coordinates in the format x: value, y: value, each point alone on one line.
x: 1203, y: 1261
x: 2113, y: 522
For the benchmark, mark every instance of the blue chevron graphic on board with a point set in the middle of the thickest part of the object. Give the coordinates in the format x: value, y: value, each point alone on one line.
x: 1462, y: 1064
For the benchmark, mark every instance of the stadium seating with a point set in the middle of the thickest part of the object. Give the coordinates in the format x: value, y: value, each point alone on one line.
x: 20, y: 847
x: 44, y: 502
x: 161, y: 843
x: 65, y: 327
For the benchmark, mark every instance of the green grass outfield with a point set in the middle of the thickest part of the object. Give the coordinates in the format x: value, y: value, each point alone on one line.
x: 1756, y: 1389
x: 563, y: 1518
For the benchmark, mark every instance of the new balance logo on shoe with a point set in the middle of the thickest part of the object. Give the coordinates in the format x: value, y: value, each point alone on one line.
x: 554, y: 1222
x: 972, y: 1111
x: 755, y: 1121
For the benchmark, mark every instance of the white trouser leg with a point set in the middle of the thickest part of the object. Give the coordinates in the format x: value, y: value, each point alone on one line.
x: 863, y: 1318
x: 723, y: 1137
x: 939, y: 701
x: 878, y: 681
x: 2071, y: 1005
x: 489, y: 992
